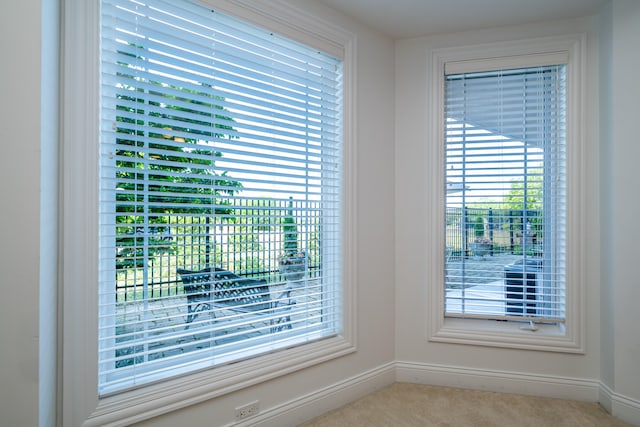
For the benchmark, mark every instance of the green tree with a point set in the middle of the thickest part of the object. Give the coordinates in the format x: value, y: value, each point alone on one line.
x: 527, y: 197
x: 162, y: 167
x: 516, y: 199
x: 248, y: 253
x: 290, y: 229
x: 478, y: 227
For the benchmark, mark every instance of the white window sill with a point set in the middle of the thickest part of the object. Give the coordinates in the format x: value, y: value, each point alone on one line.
x: 506, y: 334
x: 152, y: 400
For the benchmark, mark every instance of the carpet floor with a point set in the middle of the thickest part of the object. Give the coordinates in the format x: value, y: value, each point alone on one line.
x: 408, y: 405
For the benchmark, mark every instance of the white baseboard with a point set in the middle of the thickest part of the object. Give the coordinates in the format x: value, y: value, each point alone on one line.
x: 620, y: 406
x: 336, y: 395
x: 500, y: 381
x: 321, y: 401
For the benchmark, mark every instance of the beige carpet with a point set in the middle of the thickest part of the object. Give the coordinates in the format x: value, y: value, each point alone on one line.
x: 403, y: 404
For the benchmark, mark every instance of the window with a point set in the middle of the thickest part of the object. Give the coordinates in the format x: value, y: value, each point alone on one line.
x: 505, y: 200
x: 508, y: 129
x: 221, y: 180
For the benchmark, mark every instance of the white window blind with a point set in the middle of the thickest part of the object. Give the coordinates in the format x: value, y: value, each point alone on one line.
x: 220, y: 192
x: 505, y: 193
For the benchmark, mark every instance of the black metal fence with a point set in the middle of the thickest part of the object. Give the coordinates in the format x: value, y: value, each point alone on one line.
x: 498, y: 230
x: 248, y: 241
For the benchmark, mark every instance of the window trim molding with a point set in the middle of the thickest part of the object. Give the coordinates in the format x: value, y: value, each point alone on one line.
x: 79, y: 228
x: 569, y: 337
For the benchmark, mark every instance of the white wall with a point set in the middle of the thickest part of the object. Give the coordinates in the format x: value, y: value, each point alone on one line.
x: 607, y: 304
x: 49, y: 168
x: 413, y: 217
x: 621, y: 149
x: 19, y: 188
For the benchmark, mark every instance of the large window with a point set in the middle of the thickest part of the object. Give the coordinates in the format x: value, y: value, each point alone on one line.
x: 220, y: 192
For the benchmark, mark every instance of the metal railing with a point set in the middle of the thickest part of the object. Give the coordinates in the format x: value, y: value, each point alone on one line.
x: 505, y: 230
x: 248, y: 240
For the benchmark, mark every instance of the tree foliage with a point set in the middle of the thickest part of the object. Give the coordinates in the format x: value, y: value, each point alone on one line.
x: 164, y: 165
x: 516, y: 198
x: 290, y: 229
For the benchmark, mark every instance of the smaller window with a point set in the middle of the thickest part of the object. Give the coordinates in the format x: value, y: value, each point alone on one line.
x: 505, y: 196
x: 508, y: 115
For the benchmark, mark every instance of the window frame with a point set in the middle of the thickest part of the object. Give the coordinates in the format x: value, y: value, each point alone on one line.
x: 519, y: 92
x: 567, y: 337
x: 135, y: 152
x: 79, y: 227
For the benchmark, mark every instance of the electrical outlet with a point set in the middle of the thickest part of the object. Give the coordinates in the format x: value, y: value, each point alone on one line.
x: 248, y: 410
